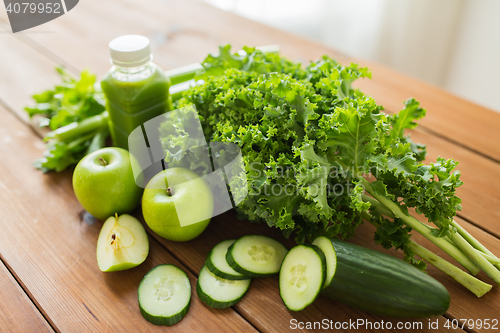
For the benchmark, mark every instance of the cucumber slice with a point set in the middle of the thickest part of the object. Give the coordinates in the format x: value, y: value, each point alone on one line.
x: 326, y: 246
x: 164, y: 295
x: 302, y: 276
x: 217, y: 264
x: 220, y: 293
x: 256, y: 255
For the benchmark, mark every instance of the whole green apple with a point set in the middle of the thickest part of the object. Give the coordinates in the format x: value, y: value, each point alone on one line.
x: 104, y: 183
x: 177, y: 204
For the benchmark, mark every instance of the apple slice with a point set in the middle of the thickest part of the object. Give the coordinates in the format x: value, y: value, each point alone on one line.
x: 122, y: 244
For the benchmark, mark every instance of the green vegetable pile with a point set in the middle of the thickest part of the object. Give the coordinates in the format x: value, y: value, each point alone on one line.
x: 321, y: 156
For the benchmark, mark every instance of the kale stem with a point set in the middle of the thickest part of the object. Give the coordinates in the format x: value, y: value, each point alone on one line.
x: 423, y: 229
x: 476, y: 257
x: 476, y: 286
x: 463, y: 241
x: 473, y: 241
x: 491, y: 258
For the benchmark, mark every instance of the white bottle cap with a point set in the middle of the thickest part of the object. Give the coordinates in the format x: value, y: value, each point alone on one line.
x: 130, y: 51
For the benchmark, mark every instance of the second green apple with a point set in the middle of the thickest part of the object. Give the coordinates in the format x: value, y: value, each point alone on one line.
x: 177, y: 204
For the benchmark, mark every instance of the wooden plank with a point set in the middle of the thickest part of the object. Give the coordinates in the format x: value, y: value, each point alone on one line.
x: 268, y: 288
x: 24, y: 72
x: 264, y: 288
x: 17, y: 312
x: 52, y: 252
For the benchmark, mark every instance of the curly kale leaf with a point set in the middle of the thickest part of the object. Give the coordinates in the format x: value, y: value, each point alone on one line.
x: 252, y: 60
x: 308, y: 139
x: 407, y: 119
x: 274, y: 119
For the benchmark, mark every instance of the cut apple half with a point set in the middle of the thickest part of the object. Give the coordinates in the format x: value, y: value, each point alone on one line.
x: 122, y: 244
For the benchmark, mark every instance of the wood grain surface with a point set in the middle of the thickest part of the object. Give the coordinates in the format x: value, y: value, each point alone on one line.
x: 51, y: 252
x: 17, y: 312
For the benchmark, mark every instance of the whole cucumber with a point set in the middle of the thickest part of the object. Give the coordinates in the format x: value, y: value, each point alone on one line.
x: 381, y: 284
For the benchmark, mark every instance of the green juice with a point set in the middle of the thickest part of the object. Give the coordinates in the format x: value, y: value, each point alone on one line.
x: 133, y: 96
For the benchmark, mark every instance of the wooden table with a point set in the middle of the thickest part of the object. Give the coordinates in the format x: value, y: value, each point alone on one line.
x: 49, y: 279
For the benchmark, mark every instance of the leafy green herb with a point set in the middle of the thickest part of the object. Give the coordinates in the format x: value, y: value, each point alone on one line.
x: 71, y: 101
x: 74, y: 111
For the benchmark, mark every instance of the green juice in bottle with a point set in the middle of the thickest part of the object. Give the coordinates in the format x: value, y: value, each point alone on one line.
x: 136, y: 89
